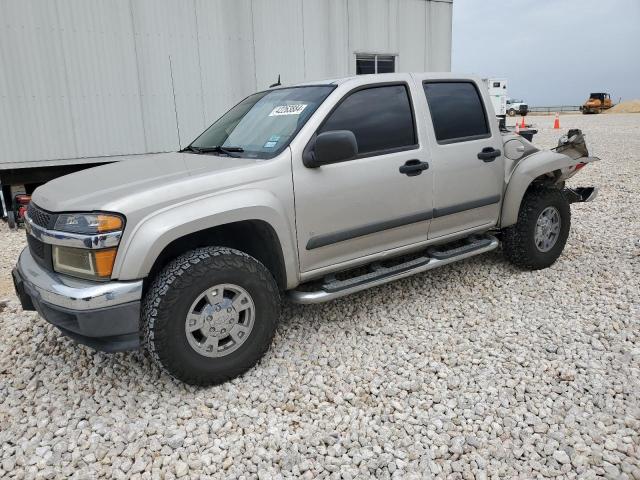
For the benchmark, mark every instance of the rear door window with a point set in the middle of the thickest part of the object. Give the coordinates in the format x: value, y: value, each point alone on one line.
x: 457, y: 111
x: 381, y: 118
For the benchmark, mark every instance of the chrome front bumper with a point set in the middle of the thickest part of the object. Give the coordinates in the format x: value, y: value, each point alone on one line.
x: 104, y: 316
x: 72, y: 293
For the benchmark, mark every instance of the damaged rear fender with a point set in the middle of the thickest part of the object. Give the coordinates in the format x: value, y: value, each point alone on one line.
x: 529, y: 169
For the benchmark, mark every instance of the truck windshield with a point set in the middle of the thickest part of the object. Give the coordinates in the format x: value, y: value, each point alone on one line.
x: 263, y: 124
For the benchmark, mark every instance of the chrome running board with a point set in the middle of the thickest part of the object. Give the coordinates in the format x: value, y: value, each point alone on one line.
x: 379, y: 275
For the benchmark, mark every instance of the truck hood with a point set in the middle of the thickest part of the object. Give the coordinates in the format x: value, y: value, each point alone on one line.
x: 134, y: 179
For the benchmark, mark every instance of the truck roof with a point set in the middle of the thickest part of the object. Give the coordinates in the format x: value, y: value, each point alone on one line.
x: 379, y: 76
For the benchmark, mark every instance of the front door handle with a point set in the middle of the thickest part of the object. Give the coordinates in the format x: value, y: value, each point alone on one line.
x: 489, y: 154
x: 413, y: 167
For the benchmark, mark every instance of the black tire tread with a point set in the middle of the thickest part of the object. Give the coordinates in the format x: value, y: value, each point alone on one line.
x: 166, y: 289
x: 11, y: 220
x: 516, y: 241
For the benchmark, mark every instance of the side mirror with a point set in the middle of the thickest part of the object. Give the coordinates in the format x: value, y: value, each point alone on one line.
x: 332, y: 147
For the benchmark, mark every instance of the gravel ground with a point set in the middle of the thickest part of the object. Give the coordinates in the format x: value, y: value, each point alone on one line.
x: 476, y: 370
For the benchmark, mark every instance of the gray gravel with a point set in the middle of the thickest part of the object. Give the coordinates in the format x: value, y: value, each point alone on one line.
x: 476, y: 370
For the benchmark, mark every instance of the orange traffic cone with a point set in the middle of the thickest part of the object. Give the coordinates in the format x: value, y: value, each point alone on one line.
x: 522, y: 125
x: 517, y: 128
x: 556, y: 123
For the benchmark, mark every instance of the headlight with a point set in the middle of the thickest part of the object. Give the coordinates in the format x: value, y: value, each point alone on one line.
x: 93, y: 262
x: 89, y: 264
x: 89, y: 223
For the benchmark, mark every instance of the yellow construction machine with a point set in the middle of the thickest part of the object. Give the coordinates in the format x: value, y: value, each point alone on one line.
x: 597, y: 103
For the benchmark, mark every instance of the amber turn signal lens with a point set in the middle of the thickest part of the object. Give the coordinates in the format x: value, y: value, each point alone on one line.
x: 83, y: 263
x: 109, y: 223
x: 104, y: 260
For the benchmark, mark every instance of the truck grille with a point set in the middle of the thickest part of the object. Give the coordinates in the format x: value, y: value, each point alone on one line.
x: 40, y: 251
x: 41, y: 217
x: 36, y: 247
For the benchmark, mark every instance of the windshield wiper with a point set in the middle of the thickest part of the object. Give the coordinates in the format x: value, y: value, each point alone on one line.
x: 218, y: 148
x: 190, y: 148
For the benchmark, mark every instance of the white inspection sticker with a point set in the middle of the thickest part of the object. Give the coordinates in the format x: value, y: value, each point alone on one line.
x: 288, y: 110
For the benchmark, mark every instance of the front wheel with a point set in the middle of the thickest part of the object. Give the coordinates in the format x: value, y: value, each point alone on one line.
x: 210, y: 315
x: 511, y: 112
x: 538, y: 238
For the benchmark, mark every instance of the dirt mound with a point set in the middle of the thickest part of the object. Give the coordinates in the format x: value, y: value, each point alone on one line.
x: 632, y: 106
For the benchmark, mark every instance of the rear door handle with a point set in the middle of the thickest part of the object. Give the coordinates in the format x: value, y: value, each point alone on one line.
x: 413, y: 167
x: 489, y: 154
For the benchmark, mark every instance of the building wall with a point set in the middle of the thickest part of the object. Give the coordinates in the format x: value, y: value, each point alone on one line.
x: 87, y: 78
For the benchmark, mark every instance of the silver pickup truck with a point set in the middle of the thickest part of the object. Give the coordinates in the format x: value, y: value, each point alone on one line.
x: 313, y: 191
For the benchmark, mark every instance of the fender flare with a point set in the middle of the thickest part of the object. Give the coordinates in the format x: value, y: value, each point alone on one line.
x: 524, y: 174
x: 139, y: 249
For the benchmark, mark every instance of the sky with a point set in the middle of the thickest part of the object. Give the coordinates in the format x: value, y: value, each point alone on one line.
x: 552, y: 52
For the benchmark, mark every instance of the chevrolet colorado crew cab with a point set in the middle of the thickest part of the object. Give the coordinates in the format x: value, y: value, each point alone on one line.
x: 313, y: 191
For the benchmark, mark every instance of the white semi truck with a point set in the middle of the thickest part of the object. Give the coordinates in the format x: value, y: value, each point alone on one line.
x: 498, y: 93
x: 502, y: 103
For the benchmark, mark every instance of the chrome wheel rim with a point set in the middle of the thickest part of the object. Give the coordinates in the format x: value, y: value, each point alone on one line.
x: 220, y: 320
x: 547, y: 229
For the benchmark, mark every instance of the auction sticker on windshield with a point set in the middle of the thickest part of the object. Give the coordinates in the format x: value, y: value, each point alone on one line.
x: 288, y: 110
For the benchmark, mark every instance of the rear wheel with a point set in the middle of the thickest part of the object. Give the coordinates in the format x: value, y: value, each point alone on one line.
x: 210, y: 315
x: 538, y: 238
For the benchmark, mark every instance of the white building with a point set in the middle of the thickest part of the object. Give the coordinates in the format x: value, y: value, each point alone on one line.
x: 92, y: 78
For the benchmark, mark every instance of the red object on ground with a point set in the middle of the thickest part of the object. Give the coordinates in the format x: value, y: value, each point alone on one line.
x: 22, y: 201
x: 556, y: 123
x: 522, y: 125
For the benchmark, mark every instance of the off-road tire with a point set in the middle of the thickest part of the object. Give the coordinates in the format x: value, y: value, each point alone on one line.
x: 518, y: 240
x: 11, y: 220
x: 173, y: 290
